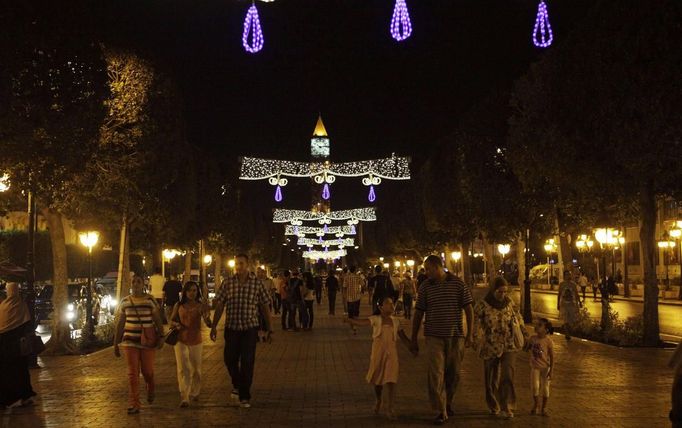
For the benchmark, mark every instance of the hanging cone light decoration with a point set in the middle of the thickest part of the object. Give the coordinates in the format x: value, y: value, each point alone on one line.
x: 352, y: 229
x: 401, y: 26
x: 542, y: 32
x: 325, y: 229
x: 252, y: 38
x: 326, y: 194
x: 278, y: 194
x: 372, y: 196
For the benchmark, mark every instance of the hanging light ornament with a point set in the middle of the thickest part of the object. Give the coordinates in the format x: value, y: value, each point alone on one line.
x: 278, y: 183
x: 352, y: 229
x: 542, y: 32
x: 252, y: 38
x: 325, y: 229
x: 326, y: 194
x: 372, y: 196
x: 278, y: 194
x: 401, y: 27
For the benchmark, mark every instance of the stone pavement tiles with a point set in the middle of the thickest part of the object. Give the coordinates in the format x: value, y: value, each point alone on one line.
x: 316, y: 379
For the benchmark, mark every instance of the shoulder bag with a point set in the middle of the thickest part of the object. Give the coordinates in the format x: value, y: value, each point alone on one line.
x: 150, y: 336
x: 517, y: 331
x: 174, y: 333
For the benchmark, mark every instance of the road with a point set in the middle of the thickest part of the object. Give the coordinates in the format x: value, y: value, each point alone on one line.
x: 544, y: 303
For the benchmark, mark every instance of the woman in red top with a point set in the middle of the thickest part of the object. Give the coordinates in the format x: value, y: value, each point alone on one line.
x: 186, y: 317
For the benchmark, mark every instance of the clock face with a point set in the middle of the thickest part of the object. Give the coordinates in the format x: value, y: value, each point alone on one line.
x: 319, y: 147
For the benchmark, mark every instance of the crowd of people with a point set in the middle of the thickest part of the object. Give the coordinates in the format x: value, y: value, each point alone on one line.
x: 436, y: 301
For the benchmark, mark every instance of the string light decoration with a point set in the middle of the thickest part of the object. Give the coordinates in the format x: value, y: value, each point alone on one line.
x: 252, y: 38
x: 372, y: 171
x: 319, y: 231
x: 296, y: 217
x: 401, y: 26
x: 341, y: 242
x: 542, y: 32
x: 325, y: 255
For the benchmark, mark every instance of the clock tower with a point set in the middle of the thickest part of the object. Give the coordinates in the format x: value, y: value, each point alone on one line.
x: 319, y: 152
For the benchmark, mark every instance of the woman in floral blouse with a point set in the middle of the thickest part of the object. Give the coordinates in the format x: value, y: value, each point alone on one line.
x: 494, y: 340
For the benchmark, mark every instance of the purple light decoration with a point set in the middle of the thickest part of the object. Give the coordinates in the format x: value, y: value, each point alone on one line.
x: 295, y: 230
x: 401, y: 27
x: 352, y: 229
x: 326, y: 194
x: 252, y: 28
x: 278, y: 194
x: 542, y: 33
x: 372, y: 196
x: 320, y: 241
x: 325, y: 229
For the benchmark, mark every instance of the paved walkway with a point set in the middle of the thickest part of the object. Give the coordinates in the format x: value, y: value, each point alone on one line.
x: 317, y: 379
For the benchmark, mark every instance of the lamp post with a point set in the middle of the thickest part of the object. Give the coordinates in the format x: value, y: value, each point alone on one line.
x: 167, y: 254
x: 607, y: 238
x: 456, y: 256
x: 667, y: 245
x: 550, y: 247
x: 231, y: 264
x: 410, y: 264
x: 504, y: 249
x: 676, y: 233
x: 89, y: 240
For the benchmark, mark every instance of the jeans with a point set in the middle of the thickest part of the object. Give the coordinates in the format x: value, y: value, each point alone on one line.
x: 298, y: 307
x: 188, y: 361
x: 407, y: 305
x: 331, y: 295
x: 138, y: 359
x: 309, y: 313
x: 354, y: 309
x: 499, y: 382
x: 444, y: 364
x: 240, y: 357
x: 286, y: 315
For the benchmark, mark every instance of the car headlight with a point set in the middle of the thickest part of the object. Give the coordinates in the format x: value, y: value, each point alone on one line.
x: 113, y: 302
x: 69, y: 307
x: 70, y: 315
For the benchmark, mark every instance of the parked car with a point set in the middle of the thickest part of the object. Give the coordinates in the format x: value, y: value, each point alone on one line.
x: 106, y: 288
x: 75, y: 307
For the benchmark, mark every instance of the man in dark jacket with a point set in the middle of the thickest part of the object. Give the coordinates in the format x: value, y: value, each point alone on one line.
x: 332, y: 287
x: 320, y: 280
x: 383, y: 287
x: 295, y: 294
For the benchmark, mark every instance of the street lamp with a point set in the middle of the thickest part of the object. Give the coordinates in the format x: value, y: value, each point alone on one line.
x: 208, y: 259
x: 550, y: 247
x: 410, y: 264
x: 456, y: 256
x: 167, y: 254
x: 231, y: 264
x: 608, y: 239
x: 676, y: 233
x: 89, y: 240
x: 504, y: 249
x: 667, y: 245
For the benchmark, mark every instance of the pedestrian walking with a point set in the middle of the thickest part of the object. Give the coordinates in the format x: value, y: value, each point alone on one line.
x: 138, y: 333
x: 582, y: 281
x: 382, y: 286
x: 15, y: 323
x: 332, y: 285
x: 286, y: 301
x: 344, y: 290
x: 541, y: 364
x: 156, y: 283
x: 383, y: 362
x: 295, y: 292
x: 186, y: 318
x: 320, y: 281
x: 243, y: 297
x: 498, y: 324
x: 277, y: 294
x: 171, y: 295
x: 308, y: 300
x: 354, y: 283
x: 407, y: 291
x: 568, y: 304
x: 443, y: 298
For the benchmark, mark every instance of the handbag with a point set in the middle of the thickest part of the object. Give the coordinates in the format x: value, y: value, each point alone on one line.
x: 31, y: 344
x: 173, y: 333
x: 517, y: 331
x: 149, y: 337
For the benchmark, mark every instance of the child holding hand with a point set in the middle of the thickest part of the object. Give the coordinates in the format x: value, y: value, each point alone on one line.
x: 541, y: 364
x: 383, y: 365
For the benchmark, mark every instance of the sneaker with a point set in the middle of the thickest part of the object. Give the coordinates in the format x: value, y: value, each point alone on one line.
x: 450, y: 412
x: 133, y: 410
x: 440, y: 419
x: 234, y: 395
x: 494, y: 412
x: 150, y: 397
x: 244, y: 404
x: 506, y: 414
x: 184, y: 403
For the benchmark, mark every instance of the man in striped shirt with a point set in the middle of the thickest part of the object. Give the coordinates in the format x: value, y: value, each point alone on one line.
x: 442, y: 297
x: 353, y: 283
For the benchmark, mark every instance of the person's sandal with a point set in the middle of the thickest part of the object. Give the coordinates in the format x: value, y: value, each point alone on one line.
x: 440, y: 419
x: 133, y: 410
x: 150, y: 397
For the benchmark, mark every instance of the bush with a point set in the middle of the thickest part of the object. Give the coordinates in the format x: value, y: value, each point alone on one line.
x: 104, y: 336
x: 621, y: 333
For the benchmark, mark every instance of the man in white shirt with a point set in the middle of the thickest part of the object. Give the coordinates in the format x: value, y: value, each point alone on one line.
x: 156, y: 282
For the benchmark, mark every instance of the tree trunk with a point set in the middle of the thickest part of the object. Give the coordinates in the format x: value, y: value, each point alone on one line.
x: 60, y: 343
x: 466, y: 264
x: 647, y: 237
x: 188, y: 266
x: 217, y: 265
x: 123, y: 278
x: 489, y: 255
x: 521, y: 266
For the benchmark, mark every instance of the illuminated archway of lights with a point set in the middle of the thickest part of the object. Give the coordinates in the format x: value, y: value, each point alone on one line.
x: 297, y: 217
x: 372, y: 171
x: 325, y: 255
x: 318, y: 231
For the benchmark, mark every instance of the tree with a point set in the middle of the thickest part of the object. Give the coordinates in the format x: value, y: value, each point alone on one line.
x: 598, y: 117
